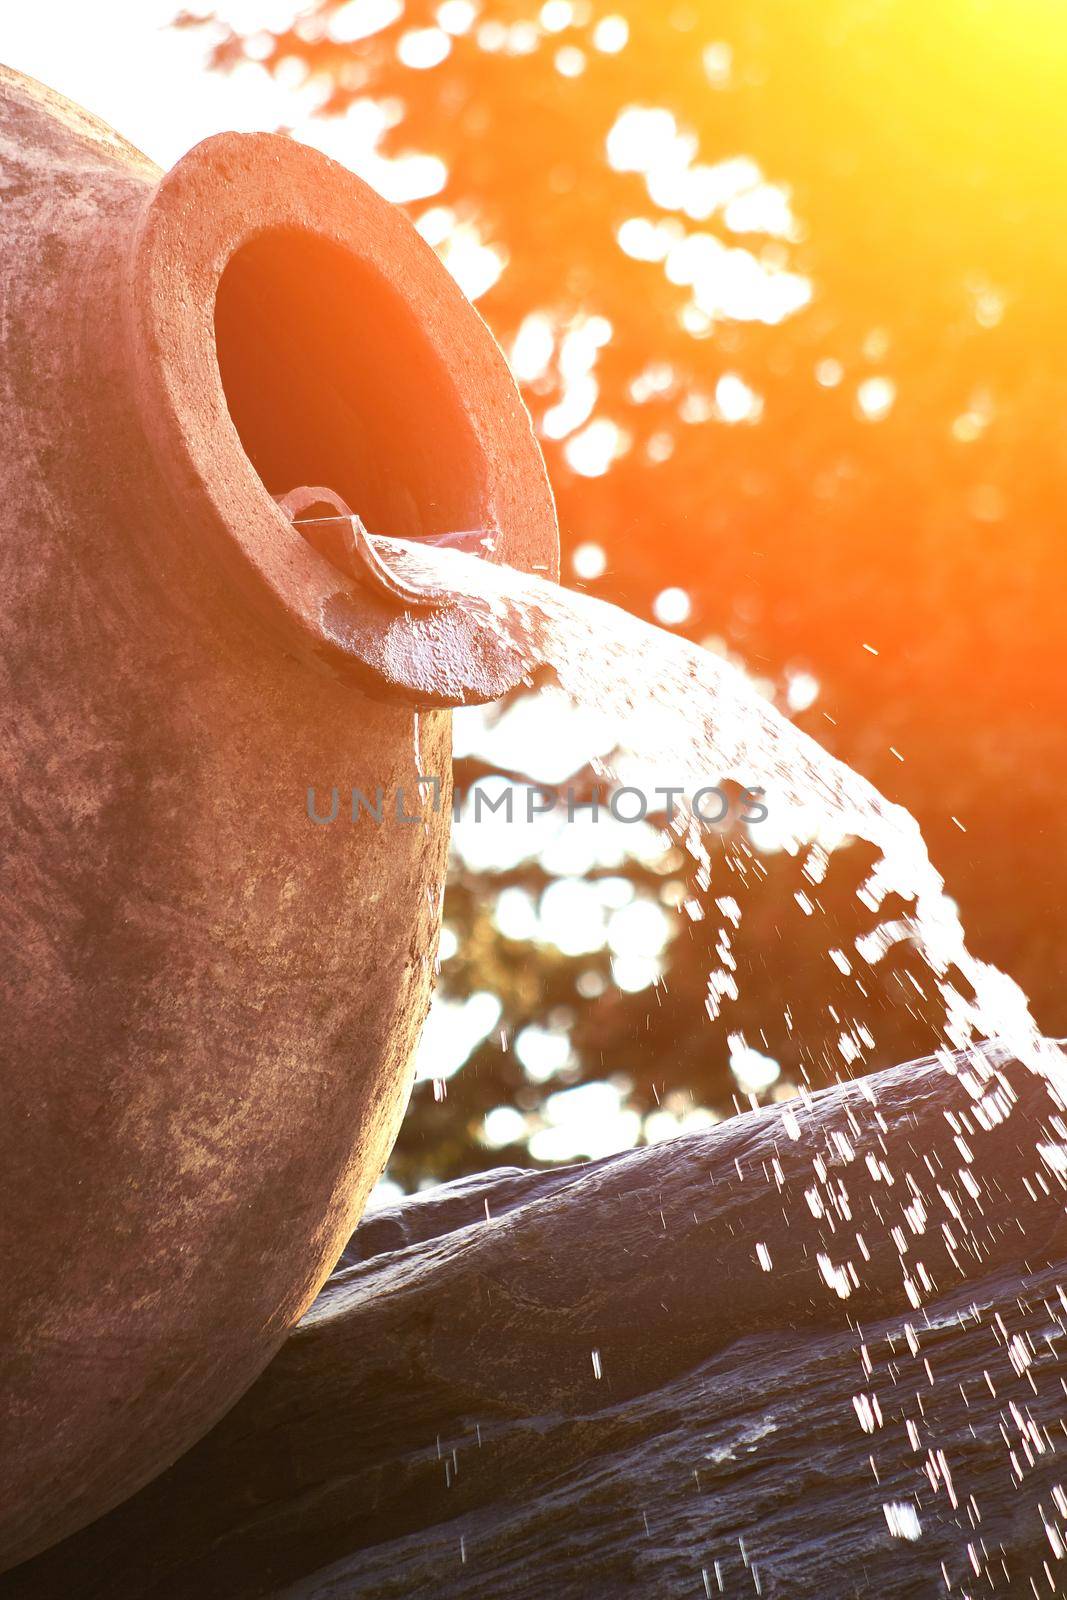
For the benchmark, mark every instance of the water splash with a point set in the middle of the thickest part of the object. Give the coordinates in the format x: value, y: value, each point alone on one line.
x: 686, y: 712
x: 693, y: 717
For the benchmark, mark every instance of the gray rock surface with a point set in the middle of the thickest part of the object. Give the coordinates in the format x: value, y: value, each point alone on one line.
x: 707, y: 1367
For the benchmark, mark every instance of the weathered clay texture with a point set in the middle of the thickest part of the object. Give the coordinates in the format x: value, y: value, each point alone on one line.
x: 436, y: 1425
x: 209, y: 1003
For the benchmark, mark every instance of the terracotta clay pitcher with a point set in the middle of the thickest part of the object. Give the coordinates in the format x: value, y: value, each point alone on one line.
x: 210, y: 1001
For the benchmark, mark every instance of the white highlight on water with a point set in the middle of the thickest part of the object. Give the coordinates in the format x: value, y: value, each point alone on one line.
x: 690, y: 717
x: 902, y: 1520
x: 693, y: 718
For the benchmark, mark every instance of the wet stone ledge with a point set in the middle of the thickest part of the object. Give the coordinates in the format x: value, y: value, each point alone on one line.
x: 815, y: 1352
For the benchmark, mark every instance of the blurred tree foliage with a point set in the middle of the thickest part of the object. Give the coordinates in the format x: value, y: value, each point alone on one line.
x: 888, y: 470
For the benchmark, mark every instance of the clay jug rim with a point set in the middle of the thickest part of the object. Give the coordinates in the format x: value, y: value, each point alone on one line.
x: 227, y: 195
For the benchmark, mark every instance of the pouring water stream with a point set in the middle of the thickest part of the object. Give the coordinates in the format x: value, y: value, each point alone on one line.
x: 695, y: 718
x: 687, y: 712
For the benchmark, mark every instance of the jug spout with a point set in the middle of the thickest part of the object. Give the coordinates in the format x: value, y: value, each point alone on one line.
x: 503, y: 653
x: 342, y: 538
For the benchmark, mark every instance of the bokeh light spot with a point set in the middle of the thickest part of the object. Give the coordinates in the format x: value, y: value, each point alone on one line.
x: 361, y: 18
x: 589, y: 561
x: 672, y: 607
x: 611, y: 35
x: 875, y: 398
x: 423, y: 48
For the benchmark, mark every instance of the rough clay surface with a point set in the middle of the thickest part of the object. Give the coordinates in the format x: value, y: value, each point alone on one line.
x: 435, y: 1426
x: 209, y: 1003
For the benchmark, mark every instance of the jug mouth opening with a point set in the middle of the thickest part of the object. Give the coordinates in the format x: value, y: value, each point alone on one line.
x: 290, y: 327
x: 328, y: 380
